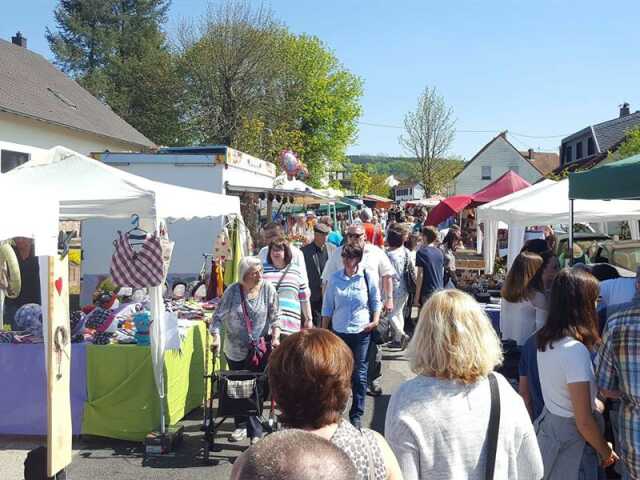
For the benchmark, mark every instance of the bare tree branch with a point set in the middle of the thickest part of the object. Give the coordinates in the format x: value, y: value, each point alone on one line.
x: 429, y: 133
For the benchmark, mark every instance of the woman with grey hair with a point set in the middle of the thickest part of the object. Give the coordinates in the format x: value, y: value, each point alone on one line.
x: 248, y: 310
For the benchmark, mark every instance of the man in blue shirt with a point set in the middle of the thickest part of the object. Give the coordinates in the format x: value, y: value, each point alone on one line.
x: 429, y: 267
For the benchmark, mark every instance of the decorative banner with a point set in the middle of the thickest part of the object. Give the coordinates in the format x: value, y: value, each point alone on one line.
x: 59, y: 362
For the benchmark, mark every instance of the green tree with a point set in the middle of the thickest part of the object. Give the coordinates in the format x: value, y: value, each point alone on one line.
x: 257, y: 87
x: 379, y: 186
x: 117, y: 50
x: 361, y: 181
x: 326, y: 99
x: 628, y: 148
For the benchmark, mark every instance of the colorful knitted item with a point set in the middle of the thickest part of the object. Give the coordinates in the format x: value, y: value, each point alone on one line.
x: 142, y: 321
x: 28, y: 319
x: 100, y: 320
x: 77, y: 322
x: 6, y: 337
x: 102, y: 338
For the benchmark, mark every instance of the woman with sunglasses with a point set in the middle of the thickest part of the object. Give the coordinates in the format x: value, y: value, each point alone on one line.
x: 291, y: 287
x: 352, y: 304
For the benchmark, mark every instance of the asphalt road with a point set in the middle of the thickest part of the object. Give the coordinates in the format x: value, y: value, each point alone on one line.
x: 97, y: 458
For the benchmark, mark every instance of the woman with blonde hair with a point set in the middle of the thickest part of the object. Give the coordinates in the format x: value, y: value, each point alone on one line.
x: 519, y: 316
x: 437, y: 422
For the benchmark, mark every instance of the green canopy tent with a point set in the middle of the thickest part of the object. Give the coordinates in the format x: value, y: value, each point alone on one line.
x: 611, y: 181
x: 324, y: 209
x: 616, y: 180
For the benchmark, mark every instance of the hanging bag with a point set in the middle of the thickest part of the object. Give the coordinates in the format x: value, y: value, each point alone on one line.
x: 259, y: 349
x: 138, y: 269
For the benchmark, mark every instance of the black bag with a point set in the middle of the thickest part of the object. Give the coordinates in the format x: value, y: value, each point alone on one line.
x: 409, y: 274
x: 380, y: 334
x: 511, y: 354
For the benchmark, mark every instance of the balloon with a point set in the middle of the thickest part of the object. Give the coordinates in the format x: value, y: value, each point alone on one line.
x: 289, y: 162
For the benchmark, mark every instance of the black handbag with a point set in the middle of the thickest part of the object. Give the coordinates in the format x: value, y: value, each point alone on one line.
x: 381, y: 333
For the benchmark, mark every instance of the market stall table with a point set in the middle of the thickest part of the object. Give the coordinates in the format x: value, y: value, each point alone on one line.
x: 113, y: 392
x: 23, y: 404
x: 122, y: 401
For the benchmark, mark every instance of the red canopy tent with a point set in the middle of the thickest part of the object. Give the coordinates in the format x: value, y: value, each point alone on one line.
x: 508, y: 183
x: 448, y: 207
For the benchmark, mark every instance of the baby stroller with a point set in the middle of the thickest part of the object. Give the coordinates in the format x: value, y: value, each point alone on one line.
x: 239, y: 393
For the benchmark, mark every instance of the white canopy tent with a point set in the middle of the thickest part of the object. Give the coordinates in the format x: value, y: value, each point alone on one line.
x: 545, y: 203
x: 26, y: 212
x: 87, y: 188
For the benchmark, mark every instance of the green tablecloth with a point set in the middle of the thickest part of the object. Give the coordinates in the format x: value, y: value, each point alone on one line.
x: 122, y: 399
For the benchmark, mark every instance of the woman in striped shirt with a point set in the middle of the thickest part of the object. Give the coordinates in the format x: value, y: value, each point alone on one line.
x: 293, y: 293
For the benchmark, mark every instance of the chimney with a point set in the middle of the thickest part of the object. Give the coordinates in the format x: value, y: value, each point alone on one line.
x: 624, y: 110
x: 531, y: 154
x: 19, y: 40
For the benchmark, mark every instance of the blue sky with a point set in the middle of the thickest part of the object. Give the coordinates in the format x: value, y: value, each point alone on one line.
x: 538, y: 68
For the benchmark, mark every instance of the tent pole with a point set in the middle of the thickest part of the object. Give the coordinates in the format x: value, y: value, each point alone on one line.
x: 570, y: 249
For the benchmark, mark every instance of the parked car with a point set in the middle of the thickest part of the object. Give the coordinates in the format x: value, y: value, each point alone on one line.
x: 622, y: 254
x: 588, y: 247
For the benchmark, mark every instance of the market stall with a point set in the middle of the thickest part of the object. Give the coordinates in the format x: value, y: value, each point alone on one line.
x: 544, y: 203
x: 376, y: 201
x: 447, y: 208
x: 86, y: 188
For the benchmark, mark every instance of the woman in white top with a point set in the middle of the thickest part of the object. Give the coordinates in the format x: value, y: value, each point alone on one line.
x: 519, y: 317
x: 437, y: 422
x: 570, y: 427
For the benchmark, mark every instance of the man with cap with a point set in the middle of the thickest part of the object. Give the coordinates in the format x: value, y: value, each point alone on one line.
x: 316, y: 255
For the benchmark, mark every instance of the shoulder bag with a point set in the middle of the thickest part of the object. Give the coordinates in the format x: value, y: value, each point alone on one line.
x: 381, y: 333
x: 259, y: 349
x: 137, y: 269
x: 494, y: 427
x: 409, y: 274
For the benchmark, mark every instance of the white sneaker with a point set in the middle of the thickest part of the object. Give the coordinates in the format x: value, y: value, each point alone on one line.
x: 238, y: 435
x: 255, y: 440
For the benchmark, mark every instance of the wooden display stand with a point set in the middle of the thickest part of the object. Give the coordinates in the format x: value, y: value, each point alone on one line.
x: 59, y: 362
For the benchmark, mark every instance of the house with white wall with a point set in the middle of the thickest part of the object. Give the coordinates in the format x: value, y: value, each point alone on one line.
x: 408, y: 191
x: 496, y: 158
x: 41, y: 107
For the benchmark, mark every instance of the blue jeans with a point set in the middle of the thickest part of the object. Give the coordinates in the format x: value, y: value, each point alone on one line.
x: 358, y: 343
x: 252, y: 424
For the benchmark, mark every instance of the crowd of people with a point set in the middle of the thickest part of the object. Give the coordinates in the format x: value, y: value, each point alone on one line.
x: 327, y: 307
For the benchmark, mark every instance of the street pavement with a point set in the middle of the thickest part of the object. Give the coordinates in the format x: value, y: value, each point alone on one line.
x: 97, y: 458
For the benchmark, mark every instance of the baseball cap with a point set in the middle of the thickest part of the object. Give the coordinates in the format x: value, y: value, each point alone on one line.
x: 322, y: 228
